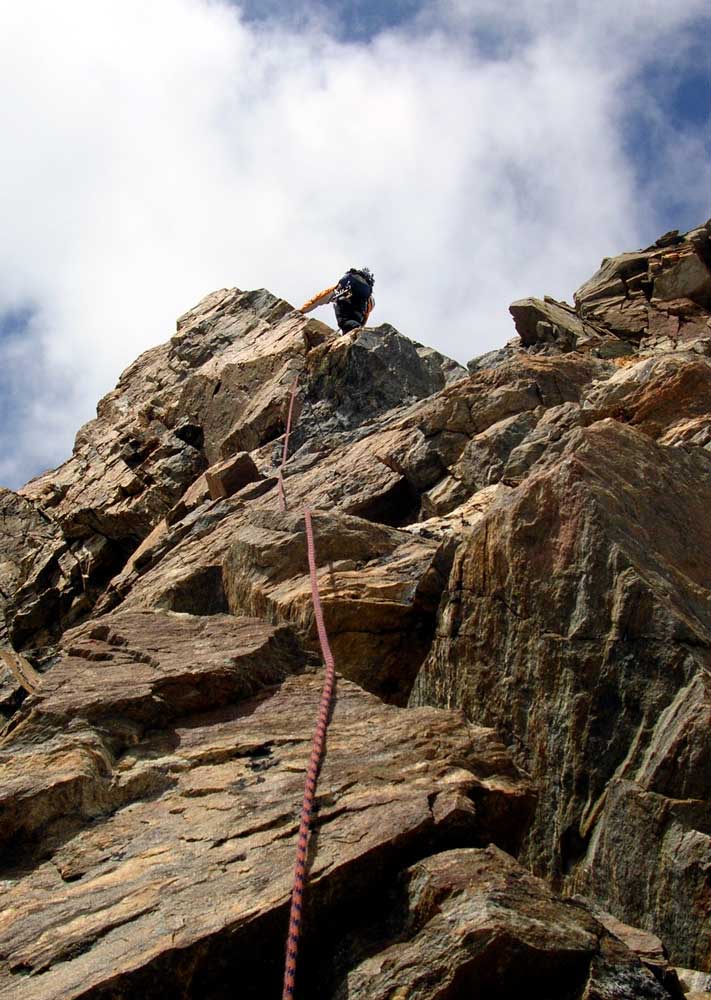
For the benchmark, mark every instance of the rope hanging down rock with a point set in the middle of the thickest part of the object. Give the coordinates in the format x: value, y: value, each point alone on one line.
x: 318, y: 743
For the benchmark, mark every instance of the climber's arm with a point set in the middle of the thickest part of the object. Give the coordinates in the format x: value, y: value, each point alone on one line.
x: 318, y: 300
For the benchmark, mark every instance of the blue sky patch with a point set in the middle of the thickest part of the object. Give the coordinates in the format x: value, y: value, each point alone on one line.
x: 356, y: 21
x: 14, y: 322
x: 672, y: 97
x: 13, y: 325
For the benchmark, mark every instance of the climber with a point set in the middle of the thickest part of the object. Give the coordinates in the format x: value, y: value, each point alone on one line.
x: 352, y: 299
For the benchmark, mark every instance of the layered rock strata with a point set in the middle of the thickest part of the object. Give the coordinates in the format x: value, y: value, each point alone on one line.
x: 513, y: 561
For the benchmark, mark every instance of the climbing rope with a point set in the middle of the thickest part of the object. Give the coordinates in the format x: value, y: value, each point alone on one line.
x: 317, y: 748
x: 319, y: 739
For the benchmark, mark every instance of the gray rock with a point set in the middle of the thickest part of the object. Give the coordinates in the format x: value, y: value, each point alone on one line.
x: 492, y: 359
x: 540, y: 322
x: 39, y: 575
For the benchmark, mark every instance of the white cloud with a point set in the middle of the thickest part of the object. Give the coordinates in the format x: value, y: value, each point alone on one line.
x: 156, y: 151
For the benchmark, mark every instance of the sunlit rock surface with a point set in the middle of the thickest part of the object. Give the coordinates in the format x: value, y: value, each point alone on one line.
x: 514, y: 565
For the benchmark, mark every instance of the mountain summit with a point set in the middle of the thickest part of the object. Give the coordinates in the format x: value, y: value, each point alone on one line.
x: 513, y: 561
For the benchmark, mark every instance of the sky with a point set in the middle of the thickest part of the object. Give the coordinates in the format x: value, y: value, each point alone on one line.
x: 469, y: 152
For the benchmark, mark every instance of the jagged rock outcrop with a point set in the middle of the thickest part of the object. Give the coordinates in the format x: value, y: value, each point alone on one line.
x: 220, y: 386
x: 513, y: 561
x: 657, y: 299
x: 577, y: 619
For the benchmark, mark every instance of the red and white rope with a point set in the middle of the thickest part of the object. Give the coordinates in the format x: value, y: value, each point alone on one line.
x: 319, y: 740
x: 317, y: 749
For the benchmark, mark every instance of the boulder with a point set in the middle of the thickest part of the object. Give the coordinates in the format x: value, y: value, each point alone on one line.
x: 550, y: 322
x: 474, y: 923
x: 226, y: 478
x: 684, y: 277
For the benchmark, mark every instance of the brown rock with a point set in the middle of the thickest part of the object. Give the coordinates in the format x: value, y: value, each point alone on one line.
x: 485, y: 457
x: 659, y: 297
x: 221, y: 385
x: 655, y: 395
x: 679, y: 324
x: 144, y: 553
x: 22, y: 670
x: 695, y: 431
x: 39, y: 577
x: 226, y: 376
x: 379, y: 589
x: 696, y: 985
x: 12, y: 692
x: 550, y: 322
x: 195, y: 495
x: 578, y: 622
x: 140, y: 670
x: 226, y: 478
x: 444, y: 498
x: 610, y: 280
x: 685, y: 277
x: 496, y: 536
x: 183, y: 571
x: 474, y: 923
x: 162, y: 813
x: 429, y: 440
x: 645, y: 946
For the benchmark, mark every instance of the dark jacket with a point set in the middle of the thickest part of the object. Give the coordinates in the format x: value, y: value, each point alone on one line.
x: 352, y: 300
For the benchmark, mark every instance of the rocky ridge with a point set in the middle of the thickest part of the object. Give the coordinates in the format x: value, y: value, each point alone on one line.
x: 513, y: 566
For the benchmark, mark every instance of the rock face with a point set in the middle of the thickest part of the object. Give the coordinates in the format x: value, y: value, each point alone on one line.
x: 591, y: 578
x: 149, y: 807
x: 468, y: 911
x: 577, y: 619
x: 38, y: 572
x: 513, y: 564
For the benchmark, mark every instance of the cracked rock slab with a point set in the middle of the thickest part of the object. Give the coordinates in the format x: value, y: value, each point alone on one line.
x: 658, y: 395
x: 169, y: 871
x: 379, y: 590
x: 118, y: 678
